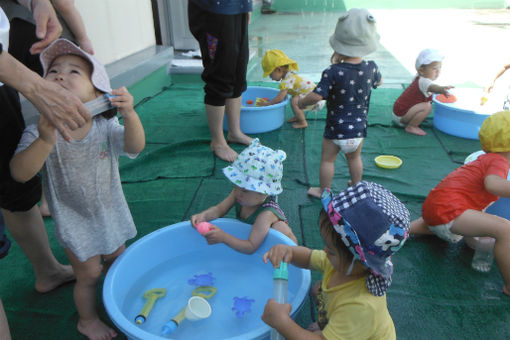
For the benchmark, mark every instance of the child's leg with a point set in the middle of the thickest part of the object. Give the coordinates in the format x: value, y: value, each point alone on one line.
x: 43, y: 208
x: 327, y: 169
x: 355, y: 164
x: 85, y: 289
x: 415, y: 116
x: 285, y: 229
x: 419, y: 226
x: 5, y: 334
x: 27, y: 229
x: 298, y: 113
x: 108, y: 259
x: 476, y: 223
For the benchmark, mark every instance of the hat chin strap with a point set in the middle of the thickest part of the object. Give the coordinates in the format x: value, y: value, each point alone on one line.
x: 351, y: 266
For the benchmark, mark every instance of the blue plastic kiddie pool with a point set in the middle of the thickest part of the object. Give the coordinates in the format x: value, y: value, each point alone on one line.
x: 178, y: 259
x: 258, y: 119
x: 464, y: 117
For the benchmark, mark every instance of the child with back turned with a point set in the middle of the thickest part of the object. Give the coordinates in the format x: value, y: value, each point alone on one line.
x: 256, y: 174
x: 414, y: 104
x: 361, y: 228
x: 455, y: 207
x: 346, y: 85
x: 281, y: 68
x: 81, y: 178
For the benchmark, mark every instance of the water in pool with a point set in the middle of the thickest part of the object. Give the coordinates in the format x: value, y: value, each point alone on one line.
x: 235, y: 276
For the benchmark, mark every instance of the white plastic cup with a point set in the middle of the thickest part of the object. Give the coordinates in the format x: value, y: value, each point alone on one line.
x: 197, y: 308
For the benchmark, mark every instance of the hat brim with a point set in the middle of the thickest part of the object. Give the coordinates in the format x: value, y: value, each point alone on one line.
x: 354, y: 50
x: 250, y: 183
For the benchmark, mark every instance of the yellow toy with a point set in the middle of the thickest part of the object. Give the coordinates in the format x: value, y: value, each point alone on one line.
x: 151, y: 296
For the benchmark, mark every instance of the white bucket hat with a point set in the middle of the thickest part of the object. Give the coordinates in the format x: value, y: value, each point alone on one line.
x: 428, y: 56
x: 258, y: 168
x: 355, y: 34
x: 60, y: 47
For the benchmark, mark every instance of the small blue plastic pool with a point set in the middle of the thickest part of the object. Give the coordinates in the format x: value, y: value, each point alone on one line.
x: 170, y: 257
x: 258, y: 119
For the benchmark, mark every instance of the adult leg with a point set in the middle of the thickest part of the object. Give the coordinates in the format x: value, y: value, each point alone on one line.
x: 233, y: 112
x: 5, y: 334
x: 27, y: 229
x: 327, y: 168
x: 355, y: 164
x: 218, y: 142
x: 476, y: 223
x: 415, y: 116
x: 85, y: 290
x: 300, y: 122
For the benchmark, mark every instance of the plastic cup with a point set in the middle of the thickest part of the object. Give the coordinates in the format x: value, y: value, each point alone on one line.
x: 197, y: 308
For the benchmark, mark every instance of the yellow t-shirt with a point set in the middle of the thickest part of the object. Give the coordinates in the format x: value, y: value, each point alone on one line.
x: 295, y: 84
x: 350, y: 311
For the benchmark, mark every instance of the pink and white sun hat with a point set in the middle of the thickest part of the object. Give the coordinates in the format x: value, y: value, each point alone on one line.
x: 258, y: 168
x: 60, y: 47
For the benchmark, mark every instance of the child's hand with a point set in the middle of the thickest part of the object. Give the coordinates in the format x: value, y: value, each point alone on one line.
x: 123, y: 100
x: 47, y: 131
x: 214, y: 235
x: 196, y: 219
x: 444, y: 90
x: 277, y: 254
x: 276, y: 314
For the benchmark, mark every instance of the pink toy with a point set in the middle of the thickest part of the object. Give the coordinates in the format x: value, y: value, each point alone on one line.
x: 203, y: 227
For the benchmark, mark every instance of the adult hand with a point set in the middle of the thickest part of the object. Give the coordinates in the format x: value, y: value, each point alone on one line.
x: 62, y: 108
x: 48, y: 27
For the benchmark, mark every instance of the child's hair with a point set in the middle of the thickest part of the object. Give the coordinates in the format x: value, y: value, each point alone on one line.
x: 98, y: 77
x: 326, y: 228
x: 276, y: 58
x: 494, y: 133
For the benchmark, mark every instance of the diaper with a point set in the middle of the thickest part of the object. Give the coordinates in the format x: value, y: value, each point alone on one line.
x: 348, y: 145
x: 396, y: 120
x: 443, y: 232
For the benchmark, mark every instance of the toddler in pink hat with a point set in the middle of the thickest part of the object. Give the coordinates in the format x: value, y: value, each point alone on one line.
x: 81, y: 179
x: 256, y: 174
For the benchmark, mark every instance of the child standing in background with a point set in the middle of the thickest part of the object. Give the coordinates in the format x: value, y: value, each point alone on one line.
x: 455, y: 207
x: 81, y: 178
x: 503, y: 90
x: 346, y: 85
x: 281, y: 68
x: 414, y: 104
x: 257, y: 174
x: 361, y: 228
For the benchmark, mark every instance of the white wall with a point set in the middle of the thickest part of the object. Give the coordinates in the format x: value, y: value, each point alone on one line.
x: 117, y: 28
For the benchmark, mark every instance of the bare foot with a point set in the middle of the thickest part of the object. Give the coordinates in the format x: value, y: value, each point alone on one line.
x: 224, y: 152
x: 415, y: 130
x: 52, y: 281
x: 314, y: 191
x: 292, y: 120
x: 506, y: 291
x: 239, y: 139
x: 313, y: 327
x: 95, y: 329
x: 300, y: 125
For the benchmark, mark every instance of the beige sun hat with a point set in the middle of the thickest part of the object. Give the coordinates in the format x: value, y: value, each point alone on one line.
x: 355, y: 34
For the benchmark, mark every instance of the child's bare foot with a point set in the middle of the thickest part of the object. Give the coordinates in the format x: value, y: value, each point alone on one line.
x: 314, y: 191
x: 224, y: 152
x: 292, y: 120
x: 415, y: 130
x: 300, y: 125
x: 239, y: 139
x: 506, y: 290
x: 95, y: 329
x: 64, y: 275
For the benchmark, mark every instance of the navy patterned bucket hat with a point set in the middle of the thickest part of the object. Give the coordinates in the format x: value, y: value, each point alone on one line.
x: 373, y: 224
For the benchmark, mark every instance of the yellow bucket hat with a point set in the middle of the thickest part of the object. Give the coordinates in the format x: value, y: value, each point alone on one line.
x: 494, y: 134
x: 276, y: 58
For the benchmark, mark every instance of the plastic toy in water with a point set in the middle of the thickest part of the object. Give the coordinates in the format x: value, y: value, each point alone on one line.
x: 259, y: 101
x: 197, y: 308
x: 444, y: 99
x: 242, y: 306
x: 203, y: 227
x: 151, y: 296
x: 202, y: 280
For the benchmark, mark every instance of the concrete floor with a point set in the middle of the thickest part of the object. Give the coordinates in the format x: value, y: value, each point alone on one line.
x: 475, y: 42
